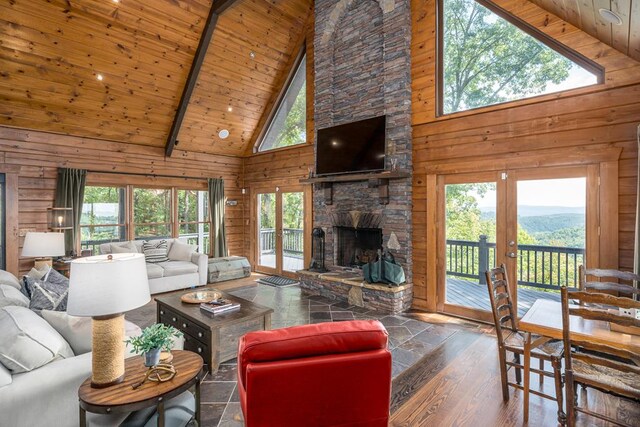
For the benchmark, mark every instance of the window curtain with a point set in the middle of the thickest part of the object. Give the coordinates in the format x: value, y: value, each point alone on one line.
x: 216, y: 207
x: 70, y: 194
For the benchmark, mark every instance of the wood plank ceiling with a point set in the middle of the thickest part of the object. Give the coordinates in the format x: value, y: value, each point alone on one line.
x: 53, y: 53
x: 585, y: 15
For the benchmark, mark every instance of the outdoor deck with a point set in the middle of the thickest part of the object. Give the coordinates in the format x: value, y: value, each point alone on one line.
x: 290, y: 263
x: 470, y: 294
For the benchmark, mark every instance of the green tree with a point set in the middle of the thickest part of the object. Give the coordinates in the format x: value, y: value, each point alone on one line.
x: 488, y: 60
x: 294, y: 130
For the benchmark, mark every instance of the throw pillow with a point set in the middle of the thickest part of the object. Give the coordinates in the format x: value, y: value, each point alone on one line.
x: 28, y: 340
x: 7, y: 278
x: 5, y: 376
x: 12, y: 296
x: 75, y: 330
x: 39, y: 274
x: 155, y: 251
x: 181, y: 251
x: 124, y: 248
x: 50, y: 294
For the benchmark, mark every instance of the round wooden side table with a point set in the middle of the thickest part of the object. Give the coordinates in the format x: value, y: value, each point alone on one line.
x: 122, y: 397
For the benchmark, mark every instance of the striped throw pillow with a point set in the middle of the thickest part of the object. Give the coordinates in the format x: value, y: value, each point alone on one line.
x: 155, y: 251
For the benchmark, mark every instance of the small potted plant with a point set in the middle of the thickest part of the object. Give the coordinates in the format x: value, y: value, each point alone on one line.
x: 152, y: 341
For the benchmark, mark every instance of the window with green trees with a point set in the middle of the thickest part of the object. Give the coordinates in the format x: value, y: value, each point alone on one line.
x: 103, y: 216
x: 289, y: 123
x: 193, y: 218
x: 487, y: 60
x: 151, y: 212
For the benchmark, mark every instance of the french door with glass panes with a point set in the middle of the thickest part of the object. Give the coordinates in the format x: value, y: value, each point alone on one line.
x: 281, y: 244
x: 538, y: 222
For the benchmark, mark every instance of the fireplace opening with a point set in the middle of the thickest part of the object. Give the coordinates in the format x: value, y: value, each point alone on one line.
x: 355, y: 247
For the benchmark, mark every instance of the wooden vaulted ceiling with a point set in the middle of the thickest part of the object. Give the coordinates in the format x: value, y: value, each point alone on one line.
x: 585, y: 15
x: 52, y: 53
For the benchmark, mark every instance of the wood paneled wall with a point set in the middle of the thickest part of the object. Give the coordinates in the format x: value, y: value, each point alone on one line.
x: 285, y: 166
x: 599, y: 117
x: 277, y: 168
x: 35, y: 157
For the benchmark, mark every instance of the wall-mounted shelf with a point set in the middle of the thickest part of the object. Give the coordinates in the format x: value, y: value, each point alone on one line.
x: 375, y: 179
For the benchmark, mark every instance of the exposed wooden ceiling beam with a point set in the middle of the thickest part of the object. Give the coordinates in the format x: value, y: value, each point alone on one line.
x: 217, y: 8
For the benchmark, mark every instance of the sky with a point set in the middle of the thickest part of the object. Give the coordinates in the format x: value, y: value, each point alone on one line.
x: 568, y: 192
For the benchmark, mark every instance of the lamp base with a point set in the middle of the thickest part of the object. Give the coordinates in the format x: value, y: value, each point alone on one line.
x: 107, y: 364
x: 41, y: 262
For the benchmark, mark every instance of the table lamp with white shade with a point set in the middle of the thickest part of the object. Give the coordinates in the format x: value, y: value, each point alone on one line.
x: 104, y: 287
x: 43, y: 246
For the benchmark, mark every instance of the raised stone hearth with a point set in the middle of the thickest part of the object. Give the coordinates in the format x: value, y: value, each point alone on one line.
x: 351, y: 287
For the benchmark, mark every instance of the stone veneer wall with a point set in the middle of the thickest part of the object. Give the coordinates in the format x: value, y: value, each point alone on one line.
x: 363, y: 69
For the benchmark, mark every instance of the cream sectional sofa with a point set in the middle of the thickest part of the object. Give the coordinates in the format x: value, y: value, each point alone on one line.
x: 171, y: 275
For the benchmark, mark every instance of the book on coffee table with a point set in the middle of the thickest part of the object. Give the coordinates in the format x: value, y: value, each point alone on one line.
x: 219, y: 308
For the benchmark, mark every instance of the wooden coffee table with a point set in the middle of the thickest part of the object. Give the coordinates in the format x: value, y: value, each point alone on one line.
x: 122, y: 398
x: 214, y: 337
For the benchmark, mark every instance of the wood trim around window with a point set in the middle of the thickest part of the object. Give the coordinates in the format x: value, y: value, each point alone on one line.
x: 584, y: 62
x: 302, y: 51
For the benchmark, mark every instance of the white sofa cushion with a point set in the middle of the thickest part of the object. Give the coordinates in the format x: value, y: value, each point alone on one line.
x: 124, y: 248
x: 5, y: 376
x: 181, y: 251
x: 7, y: 278
x: 28, y: 341
x: 154, y: 271
x: 12, y: 296
x: 178, y: 268
x: 75, y: 330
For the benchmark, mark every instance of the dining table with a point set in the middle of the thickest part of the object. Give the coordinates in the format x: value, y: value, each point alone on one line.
x: 543, y: 323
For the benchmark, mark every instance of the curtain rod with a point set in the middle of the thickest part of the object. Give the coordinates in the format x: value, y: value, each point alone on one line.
x: 150, y: 175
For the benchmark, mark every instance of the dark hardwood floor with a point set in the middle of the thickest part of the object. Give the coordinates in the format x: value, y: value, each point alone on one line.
x: 460, y: 386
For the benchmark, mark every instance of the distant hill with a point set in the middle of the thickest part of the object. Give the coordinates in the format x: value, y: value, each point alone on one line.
x: 526, y: 210
x: 550, y: 223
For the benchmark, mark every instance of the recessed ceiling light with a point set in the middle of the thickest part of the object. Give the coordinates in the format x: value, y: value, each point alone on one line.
x: 223, y: 134
x: 229, y: 108
x: 252, y: 54
x: 334, y: 143
x: 610, y: 16
x: 99, y: 77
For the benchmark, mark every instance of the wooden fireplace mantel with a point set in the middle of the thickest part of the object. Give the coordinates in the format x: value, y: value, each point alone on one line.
x: 375, y: 179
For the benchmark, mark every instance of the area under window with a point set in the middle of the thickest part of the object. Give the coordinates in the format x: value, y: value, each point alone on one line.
x: 151, y: 213
x: 288, y: 126
x: 103, y: 217
x: 193, y: 218
x: 487, y: 58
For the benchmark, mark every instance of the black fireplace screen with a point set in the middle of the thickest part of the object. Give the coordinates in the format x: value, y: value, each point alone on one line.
x: 357, y: 246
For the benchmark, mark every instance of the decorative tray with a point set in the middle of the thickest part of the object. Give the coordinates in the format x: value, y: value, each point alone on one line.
x: 198, y: 297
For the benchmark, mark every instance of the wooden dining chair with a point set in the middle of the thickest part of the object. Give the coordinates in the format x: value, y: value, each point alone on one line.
x: 608, y: 368
x: 603, y: 282
x: 512, y: 341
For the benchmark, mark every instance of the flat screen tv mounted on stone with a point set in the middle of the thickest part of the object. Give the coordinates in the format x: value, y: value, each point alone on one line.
x: 352, y: 147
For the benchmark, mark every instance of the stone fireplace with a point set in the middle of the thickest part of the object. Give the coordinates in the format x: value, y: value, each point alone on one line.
x: 362, y: 62
x: 356, y: 247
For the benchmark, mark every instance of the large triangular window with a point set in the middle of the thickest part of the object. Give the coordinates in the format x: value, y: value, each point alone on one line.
x: 489, y: 57
x: 288, y: 123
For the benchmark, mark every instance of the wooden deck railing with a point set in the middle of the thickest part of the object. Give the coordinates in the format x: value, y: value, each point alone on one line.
x: 292, y: 241
x: 544, y: 267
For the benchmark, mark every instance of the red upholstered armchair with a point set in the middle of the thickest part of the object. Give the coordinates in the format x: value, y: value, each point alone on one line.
x: 325, y: 374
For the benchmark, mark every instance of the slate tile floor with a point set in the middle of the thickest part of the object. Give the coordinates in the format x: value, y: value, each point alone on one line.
x: 409, y: 341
